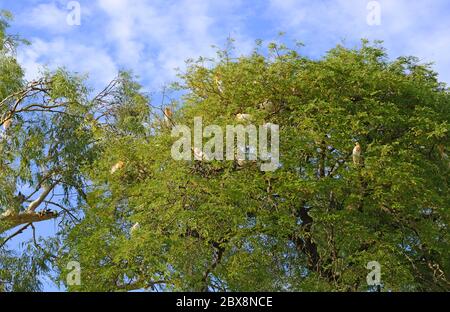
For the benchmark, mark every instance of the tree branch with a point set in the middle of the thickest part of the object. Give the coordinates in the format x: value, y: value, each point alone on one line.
x: 10, y: 221
x: 19, y: 231
x: 35, y: 203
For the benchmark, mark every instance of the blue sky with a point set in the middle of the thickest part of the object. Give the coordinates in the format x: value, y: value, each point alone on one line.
x: 153, y: 37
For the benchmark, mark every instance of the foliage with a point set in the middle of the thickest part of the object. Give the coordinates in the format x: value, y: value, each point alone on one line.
x: 219, y: 226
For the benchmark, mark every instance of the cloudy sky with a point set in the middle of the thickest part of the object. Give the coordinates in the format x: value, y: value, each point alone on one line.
x: 153, y: 37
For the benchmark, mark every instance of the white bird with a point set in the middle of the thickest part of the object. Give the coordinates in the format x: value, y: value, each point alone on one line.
x: 218, y: 82
x: 267, y: 105
x: 356, y: 154
x: 168, y: 116
x: 243, y: 117
x: 199, y: 155
x: 119, y: 165
x: 7, y: 123
x: 135, y: 227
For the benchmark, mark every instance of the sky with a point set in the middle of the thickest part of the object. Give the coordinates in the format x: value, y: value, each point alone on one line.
x: 154, y: 37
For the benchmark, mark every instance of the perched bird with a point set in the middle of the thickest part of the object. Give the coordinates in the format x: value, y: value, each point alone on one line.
x: 267, y: 105
x: 218, y: 82
x: 119, y: 165
x: 168, y: 116
x: 243, y: 117
x: 441, y: 149
x: 356, y: 154
x: 135, y: 227
x: 443, y: 154
x: 7, y: 124
x: 198, y: 154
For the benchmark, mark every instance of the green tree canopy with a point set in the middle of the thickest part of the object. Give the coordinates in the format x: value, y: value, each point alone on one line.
x: 313, y: 224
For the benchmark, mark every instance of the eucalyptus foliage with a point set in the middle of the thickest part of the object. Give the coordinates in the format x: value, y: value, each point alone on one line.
x: 311, y: 225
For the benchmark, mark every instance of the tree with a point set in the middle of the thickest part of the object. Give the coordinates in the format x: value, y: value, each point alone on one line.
x: 313, y: 224
x: 220, y: 226
x: 48, y: 135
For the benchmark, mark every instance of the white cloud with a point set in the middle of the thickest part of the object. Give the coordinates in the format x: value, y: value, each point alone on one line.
x: 159, y: 36
x: 407, y: 27
x: 45, y: 16
x: 74, y: 56
x: 154, y: 37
